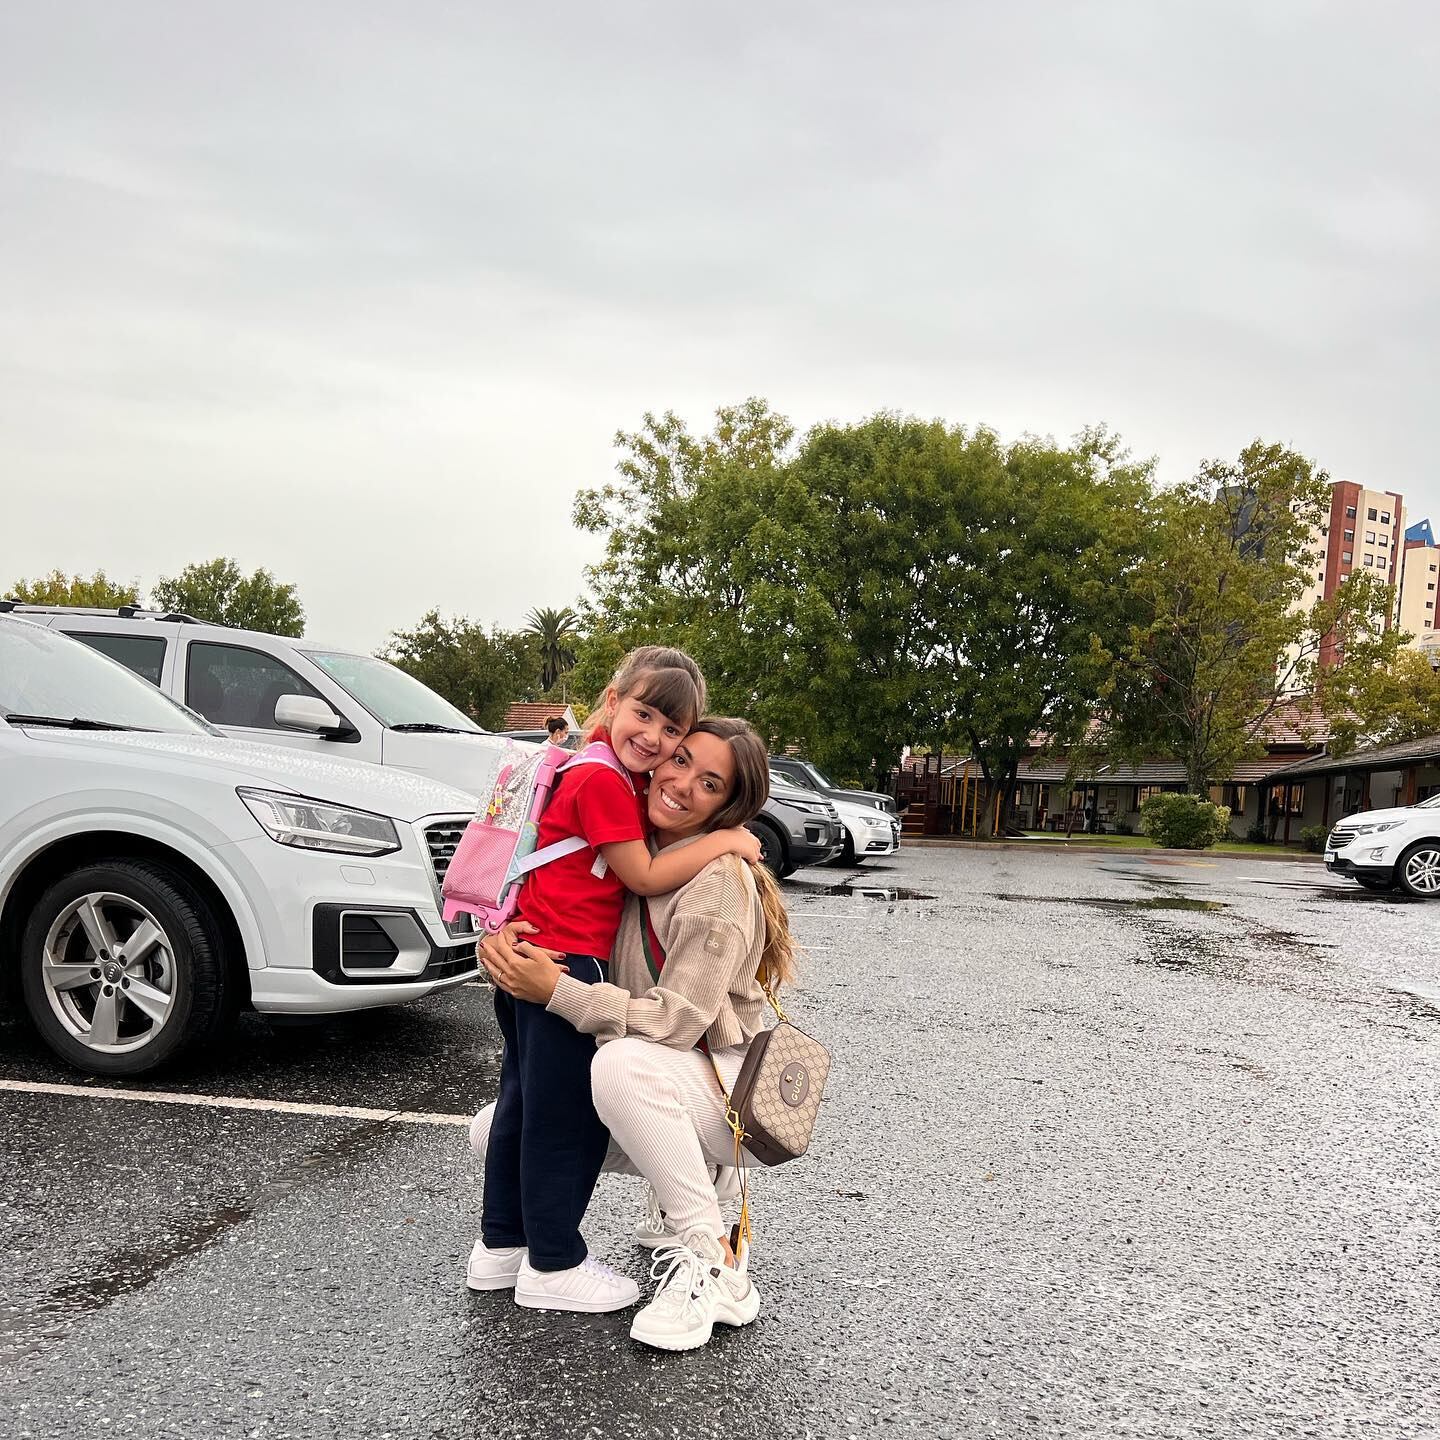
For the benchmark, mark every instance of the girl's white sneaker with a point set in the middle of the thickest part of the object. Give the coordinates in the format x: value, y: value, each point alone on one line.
x: 697, y: 1291
x: 588, y: 1286
x: 480, y: 1129
x: 493, y: 1269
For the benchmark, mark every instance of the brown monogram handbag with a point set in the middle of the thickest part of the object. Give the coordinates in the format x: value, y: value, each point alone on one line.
x: 776, y: 1097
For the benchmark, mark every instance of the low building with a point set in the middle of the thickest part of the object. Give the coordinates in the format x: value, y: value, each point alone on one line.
x: 1377, y: 778
x: 533, y: 715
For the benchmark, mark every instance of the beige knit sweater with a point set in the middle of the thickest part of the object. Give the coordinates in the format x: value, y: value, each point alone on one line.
x: 713, y: 932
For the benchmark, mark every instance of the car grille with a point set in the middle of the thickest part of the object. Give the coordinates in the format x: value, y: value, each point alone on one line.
x: 1341, y: 836
x: 442, y: 840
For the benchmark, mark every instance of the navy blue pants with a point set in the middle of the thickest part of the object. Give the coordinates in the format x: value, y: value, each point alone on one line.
x: 546, y: 1141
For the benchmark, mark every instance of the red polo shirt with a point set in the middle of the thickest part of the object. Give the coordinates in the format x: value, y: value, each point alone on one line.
x: 574, y: 909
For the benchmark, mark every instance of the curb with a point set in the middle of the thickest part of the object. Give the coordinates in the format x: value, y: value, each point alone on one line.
x: 1062, y: 847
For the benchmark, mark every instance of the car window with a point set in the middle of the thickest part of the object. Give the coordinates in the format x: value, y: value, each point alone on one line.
x: 144, y: 654
x: 800, y: 781
x: 389, y: 694
x: 230, y: 685
x: 822, y: 781
x: 45, y: 672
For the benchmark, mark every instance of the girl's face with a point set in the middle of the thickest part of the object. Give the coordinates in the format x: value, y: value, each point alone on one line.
x: 640, y: 735
x: 689, y: 788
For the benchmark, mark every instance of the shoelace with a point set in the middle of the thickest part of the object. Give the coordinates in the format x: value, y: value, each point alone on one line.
x: 591, y: 1266
x: 654, y: 1215
x: 683, y: 1276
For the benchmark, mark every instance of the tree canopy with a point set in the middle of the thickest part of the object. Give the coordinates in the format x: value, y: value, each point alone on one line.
x: 218, y: 592
x: 479, y: 673
x: 95, y: 591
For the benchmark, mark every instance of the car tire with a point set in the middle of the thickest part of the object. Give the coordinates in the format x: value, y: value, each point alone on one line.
x: 171, y: 994
x: 774, y: 853
x: 846, y: 855
x: 1371, y: 883
x: 1418, y: 870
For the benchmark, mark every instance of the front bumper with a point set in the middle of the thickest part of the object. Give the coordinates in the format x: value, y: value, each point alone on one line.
x: 348, y: 933
x: 816, y: 840
x: 1338, y: 864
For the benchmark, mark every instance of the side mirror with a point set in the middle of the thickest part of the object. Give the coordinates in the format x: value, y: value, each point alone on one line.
x: 308, y: 712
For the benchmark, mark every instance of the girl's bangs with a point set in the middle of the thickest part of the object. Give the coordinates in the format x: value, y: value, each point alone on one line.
x: 672, y: 692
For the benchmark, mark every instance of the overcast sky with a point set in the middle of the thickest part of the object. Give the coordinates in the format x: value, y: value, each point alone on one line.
x: 360, y: 292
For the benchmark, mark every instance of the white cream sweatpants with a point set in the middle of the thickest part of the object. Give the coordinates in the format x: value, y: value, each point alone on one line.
x: 666, y: 1119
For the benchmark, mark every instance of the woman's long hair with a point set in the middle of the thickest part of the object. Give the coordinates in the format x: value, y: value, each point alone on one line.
x: 747, y: 798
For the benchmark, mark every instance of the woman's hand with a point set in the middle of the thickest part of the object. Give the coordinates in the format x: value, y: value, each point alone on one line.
x: 743, y: 844
x: 520, y: 968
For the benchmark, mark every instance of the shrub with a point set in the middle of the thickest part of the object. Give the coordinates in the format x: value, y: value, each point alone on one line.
x: 1256, y: 834
x: 1185, y: 822
x: 1312, y: 837
x: 1123, y: 826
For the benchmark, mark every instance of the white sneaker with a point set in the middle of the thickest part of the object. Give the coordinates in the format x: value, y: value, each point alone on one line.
x: 697, y: 1291
x: 480, y: 1129
x: 589, y: 1286
x: 652, y: 1231
x: 493, y: 1269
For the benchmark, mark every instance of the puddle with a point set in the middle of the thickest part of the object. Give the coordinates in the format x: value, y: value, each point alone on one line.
x: 1157, y: 902
x: 884, y: 893
x: 1367, y: 897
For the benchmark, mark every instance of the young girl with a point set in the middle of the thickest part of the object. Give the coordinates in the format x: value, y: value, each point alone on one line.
x: 546, y: 1142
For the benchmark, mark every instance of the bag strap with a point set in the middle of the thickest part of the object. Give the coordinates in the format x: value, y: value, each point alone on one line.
x: 536, y: 858
x: 655, y: 963
x: 598, y: 753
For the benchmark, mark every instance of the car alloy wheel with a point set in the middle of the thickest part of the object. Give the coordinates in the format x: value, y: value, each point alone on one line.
x: 1420, y: 870
x: 108, y: 971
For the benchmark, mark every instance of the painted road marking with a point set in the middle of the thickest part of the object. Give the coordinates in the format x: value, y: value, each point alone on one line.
x: 235, y: 1102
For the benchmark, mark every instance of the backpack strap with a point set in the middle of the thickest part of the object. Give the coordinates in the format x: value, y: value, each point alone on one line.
x: 597, y: 752
x: 536, y: 858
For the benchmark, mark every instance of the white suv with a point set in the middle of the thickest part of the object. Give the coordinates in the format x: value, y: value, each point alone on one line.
x: 155, y: 876
x: 319, y: 699
x: 1386, y: 849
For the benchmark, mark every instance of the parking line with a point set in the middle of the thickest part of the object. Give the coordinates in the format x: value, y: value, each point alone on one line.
x: 235, y: 1102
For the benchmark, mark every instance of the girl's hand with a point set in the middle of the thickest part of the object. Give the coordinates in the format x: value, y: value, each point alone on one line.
x: 743, y: 844
x: 520, y: 968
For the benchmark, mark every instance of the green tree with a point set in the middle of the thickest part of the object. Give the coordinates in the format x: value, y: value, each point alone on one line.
x: 95, y: 591
x: 555, y: 632
x: 880, y: 583
x: 479, y: 673
x: 1225, y: 637
x: 217, y: 592
x: 1382, y: 704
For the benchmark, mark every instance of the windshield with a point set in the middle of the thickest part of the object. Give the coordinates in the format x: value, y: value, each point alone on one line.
x: 389, y: 694
x: 52, y: 677
x: 1433, y: 803
x: 821, y: 778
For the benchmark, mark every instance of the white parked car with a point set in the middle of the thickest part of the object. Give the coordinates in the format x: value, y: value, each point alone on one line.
x: 156, y: 876
x: 868, y: 831
x: 1390, y: 849
x: 319, y: 699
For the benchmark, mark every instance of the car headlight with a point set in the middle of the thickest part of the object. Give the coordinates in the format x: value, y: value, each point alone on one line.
x: 314, y: 825
x: 1380, y: 828
x: 875, y: 821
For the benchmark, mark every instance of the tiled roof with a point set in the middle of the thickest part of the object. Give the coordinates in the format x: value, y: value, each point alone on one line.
x: 532, y: 716
x: 1381, y: 757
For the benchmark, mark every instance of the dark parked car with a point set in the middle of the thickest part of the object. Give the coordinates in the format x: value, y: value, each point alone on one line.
x: 809, y: 776
x: 797, y: 827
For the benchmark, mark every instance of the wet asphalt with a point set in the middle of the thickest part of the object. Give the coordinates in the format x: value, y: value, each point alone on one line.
x: 1113, y: 1146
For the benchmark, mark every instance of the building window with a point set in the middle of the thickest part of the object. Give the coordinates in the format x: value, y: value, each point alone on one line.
x: 1349, y: 534
x: 1369, y: 537
x: 1349, y: 512
x: 1370, y: 513
x: 1346, y: 556
x: 1430, y: 586
x: 1384, y: 538
x: 1385, y: 518
x: 1144, y: 792
x: 1369, y: 559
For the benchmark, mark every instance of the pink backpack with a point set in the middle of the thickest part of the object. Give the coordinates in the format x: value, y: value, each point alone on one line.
x: 497, y: 850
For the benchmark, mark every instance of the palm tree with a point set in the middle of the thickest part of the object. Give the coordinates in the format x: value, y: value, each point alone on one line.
x: 554, y: 629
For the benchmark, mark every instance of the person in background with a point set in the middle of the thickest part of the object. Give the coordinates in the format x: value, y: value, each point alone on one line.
x: 559, y: 730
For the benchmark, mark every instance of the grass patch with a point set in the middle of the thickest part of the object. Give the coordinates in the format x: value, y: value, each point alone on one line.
x: 1144, y: 842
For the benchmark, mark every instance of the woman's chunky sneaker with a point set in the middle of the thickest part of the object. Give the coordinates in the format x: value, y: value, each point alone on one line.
x: 589, y: 1286
x: 697, y: 1291
x: 480, y: 1129
x: 493, y: 1269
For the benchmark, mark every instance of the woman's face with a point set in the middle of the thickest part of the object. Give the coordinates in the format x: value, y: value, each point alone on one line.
x: 692, y: 785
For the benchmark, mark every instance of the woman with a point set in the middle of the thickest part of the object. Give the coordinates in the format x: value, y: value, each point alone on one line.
x: 687, y: 970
